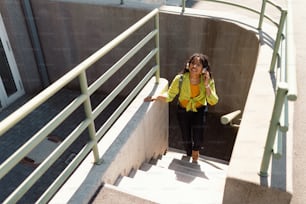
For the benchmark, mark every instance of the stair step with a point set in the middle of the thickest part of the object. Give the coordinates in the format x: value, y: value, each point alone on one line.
x: 202, y: 169
x: 159, y: 173
x: 114, y: 194
x: 167, y: 175
x: 180, y: 155
x: 168, y: 191
x: 137, y: 189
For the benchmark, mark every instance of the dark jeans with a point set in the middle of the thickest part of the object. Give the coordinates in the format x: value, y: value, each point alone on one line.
x: 192, y: 127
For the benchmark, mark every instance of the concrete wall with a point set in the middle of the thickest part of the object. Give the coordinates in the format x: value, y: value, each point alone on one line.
x: 71, y: 32
x: 15, y: 24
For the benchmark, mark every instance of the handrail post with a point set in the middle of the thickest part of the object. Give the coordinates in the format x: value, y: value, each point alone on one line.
x: 274, y: 123
x: 157, y: 58
x: 183, y: 5
x: 262, y: 14
x: 278, y: 39
x: 88, y: 112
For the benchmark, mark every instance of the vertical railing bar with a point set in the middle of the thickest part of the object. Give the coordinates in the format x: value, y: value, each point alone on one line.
x: 88, y: 112
x: 157, y: 58
x: 278, y: 104
x: 262, y: 14
x: 278, y: 39
x: 183, y: 6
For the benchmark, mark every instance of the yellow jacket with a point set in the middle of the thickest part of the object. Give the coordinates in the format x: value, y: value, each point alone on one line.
x: 185, y: 92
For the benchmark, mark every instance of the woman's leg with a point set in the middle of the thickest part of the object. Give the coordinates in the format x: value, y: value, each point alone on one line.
x: 198, y: 129
x: 185, y: 126
x: 197, y: 133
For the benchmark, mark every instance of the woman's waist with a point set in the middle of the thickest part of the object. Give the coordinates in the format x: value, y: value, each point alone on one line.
x: 184, y: 103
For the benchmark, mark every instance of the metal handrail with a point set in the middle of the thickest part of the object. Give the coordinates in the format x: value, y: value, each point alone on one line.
x: 79, y: 72
x: 288, y: 75
x: 274, y: 123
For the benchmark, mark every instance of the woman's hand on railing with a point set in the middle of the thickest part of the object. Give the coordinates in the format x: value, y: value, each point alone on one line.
x: 155, y: 98
x: 149, y: 99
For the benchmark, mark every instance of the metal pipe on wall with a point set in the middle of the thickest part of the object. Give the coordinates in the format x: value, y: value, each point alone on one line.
x: 44, y: 76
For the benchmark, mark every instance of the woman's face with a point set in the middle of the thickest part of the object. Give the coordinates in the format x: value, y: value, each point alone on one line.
x: 195, y: 66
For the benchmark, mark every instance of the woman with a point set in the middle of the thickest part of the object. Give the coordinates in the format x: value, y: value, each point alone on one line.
x: 196, y: 88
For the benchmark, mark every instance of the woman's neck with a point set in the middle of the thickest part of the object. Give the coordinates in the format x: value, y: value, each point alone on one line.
x: 194, y: 79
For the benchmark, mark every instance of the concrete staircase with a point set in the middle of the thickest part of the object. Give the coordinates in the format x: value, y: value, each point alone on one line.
x: 170, y: 179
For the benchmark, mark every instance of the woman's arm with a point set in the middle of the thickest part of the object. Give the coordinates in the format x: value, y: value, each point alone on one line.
x: 169, y: 95
x: 207, y: 79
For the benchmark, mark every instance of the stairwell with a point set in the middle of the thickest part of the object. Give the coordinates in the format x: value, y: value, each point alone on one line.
x: 172, y: 178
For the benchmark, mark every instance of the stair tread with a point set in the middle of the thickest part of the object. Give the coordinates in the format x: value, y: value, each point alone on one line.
x: 165, y: 174
x: 160, y: 175
x: 204, y: 170
x: 164, y: 192
x: 203, y: 160
x: 114, y: 194
x: 178, y: 154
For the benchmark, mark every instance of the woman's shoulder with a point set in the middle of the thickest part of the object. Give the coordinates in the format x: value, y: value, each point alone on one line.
x: 178, y: 76
x: 184, y: 75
